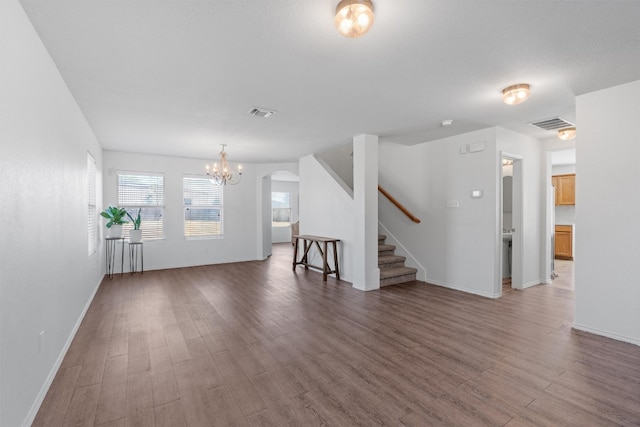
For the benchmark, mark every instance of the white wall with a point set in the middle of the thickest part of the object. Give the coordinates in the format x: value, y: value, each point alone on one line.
x: 340, y: 160
x: 460, y: 247
x: 283, y: 234
x: 327, y: 209
x: 457, y: 246
x: 47, y: 277
x: 563, y: 169
x: 608, y: 164
x: 240, y: 212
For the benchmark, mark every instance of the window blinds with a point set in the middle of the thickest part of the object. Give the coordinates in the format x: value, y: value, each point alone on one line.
x: 137, y: 190
x: 203, y: 213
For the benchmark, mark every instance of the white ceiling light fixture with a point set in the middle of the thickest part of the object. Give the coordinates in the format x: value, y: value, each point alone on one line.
x: 354, y: 17
x: 516, y: 94
x: 224, y: 175
x: 567, y: 134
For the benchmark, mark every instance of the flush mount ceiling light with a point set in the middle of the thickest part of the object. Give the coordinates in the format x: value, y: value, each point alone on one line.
x: 223, y: 175
x: 567, y: 133
x: 354, y: 17
x: 515, y: 94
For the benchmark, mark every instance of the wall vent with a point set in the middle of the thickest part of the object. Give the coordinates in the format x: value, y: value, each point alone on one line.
x: 261, y: 112
x: 553, y: 123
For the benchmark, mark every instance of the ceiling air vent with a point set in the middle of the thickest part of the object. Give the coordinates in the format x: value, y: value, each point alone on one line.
x: 552, y: 123
x: 261, y: 112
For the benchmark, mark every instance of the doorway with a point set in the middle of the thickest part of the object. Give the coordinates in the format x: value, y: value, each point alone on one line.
x: 511, y: 232
x: 561, y: 207
x: 279, y: 205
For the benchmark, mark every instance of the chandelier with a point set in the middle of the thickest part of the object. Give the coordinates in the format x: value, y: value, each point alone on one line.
x: 224, y: 175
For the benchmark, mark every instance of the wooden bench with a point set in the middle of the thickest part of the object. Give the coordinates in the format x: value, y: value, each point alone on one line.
x: 308, y: 242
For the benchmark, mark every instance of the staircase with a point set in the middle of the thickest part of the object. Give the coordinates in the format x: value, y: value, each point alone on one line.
x: 392, y: 269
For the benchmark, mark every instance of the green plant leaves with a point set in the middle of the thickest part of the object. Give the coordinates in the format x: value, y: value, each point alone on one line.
x: 115, y: 215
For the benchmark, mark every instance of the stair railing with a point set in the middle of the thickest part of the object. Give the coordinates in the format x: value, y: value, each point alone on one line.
x: 399, y: 205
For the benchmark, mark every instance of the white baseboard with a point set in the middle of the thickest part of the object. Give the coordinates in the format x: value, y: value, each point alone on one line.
x: 607, y: 334
x: 45, y: 387
x: 467, y: 290
x: 532, y: 283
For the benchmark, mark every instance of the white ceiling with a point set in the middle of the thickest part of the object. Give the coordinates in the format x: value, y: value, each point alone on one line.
x: 177, y: 77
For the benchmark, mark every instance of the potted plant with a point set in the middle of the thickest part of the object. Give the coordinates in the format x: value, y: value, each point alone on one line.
x: 135, y: 235
x: 116, y: 216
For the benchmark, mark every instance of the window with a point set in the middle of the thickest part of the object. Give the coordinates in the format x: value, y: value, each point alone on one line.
x: 203, y: 213
x: 137, y: 190
x: 280, y: 209
x: 92, y: 218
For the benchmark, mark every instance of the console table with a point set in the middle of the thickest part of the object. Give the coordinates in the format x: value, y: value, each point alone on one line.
x: 110, y: 255
x: 308, y: 242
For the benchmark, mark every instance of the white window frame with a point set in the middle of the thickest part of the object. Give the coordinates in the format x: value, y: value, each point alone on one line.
x: 153, y: 209
x: 213, y: 200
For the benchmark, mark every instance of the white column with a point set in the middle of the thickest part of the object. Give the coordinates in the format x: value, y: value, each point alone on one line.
x: 366, y: 274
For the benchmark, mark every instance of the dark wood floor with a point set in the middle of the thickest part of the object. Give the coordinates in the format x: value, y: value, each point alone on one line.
x: 255, y: 344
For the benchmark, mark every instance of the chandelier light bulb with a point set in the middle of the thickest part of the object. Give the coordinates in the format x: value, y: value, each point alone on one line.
x: 354, y: 17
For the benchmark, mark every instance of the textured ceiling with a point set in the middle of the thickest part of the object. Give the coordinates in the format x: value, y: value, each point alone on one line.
x: 178, y: 77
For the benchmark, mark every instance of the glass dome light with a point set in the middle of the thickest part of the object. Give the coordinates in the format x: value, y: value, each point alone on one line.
x: 354, y: 17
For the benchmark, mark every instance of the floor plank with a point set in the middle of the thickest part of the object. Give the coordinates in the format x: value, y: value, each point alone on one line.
x: 257, y: 344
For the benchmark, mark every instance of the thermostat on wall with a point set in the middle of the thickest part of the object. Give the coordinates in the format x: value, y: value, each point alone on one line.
x: 476, y: 194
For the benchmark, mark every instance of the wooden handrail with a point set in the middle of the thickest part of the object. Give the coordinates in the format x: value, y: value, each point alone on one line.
x: 399, y: 205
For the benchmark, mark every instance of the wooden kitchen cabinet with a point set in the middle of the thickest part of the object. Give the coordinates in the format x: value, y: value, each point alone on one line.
x: 565, y: 186
x: 564, y: 242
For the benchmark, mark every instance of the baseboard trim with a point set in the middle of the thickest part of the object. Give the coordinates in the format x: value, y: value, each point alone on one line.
x: 611, y: 335
x: 467, y: 290
x: 532, y: 283
x: 31, y: 416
